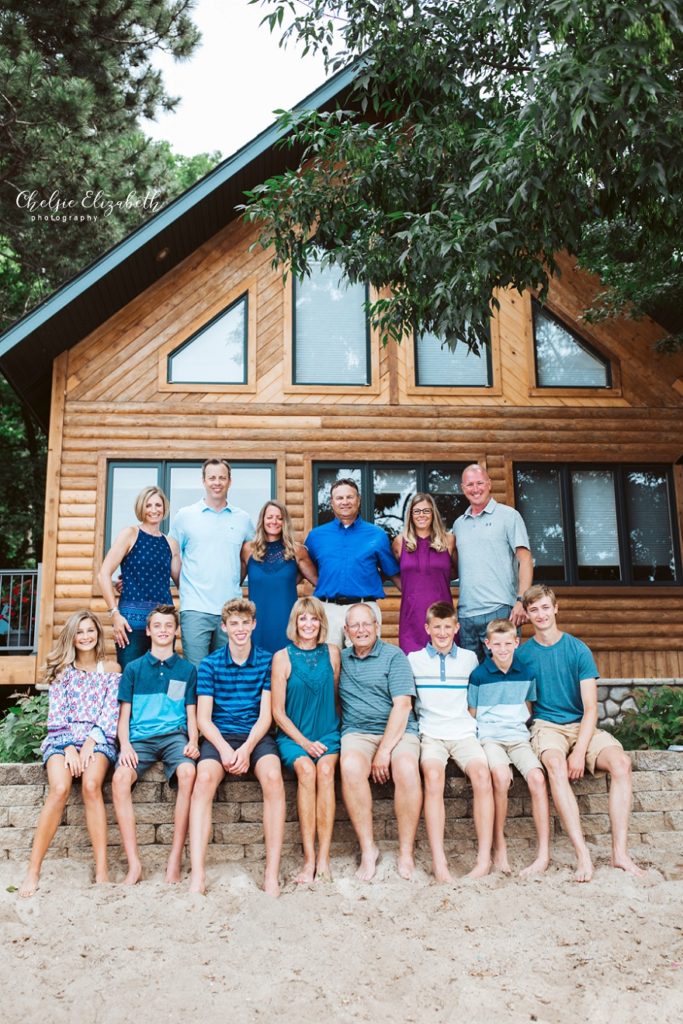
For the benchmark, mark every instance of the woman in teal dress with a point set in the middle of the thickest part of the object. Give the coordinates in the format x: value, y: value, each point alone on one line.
x: 304, y: 686
x: 274, y: 562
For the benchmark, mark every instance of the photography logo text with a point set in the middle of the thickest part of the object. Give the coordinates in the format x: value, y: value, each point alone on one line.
x: 89, y: 206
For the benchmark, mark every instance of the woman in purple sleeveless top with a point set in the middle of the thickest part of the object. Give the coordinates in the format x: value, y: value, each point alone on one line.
x: 149, y: 561
x: 426, y: 554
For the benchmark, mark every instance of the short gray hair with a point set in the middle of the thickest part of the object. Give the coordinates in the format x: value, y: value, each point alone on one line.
x: 360, y: 604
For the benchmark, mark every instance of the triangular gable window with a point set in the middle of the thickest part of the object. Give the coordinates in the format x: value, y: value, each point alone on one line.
x: 563, y: 359
x: 215, y: 354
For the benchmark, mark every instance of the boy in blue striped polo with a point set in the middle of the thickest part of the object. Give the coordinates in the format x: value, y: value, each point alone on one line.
x: 157, y: 722
x: 234, y: 716
x: 447, y: 730
x: 499, y: 696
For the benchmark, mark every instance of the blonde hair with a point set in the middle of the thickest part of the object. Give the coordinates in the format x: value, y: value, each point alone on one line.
x: 500, y: 626
x: 258, y: 548
x: 535, y: 593
x: 142, y: 499
x: 238, y: 606
x: 63, y: 653
x: 300, y: 607
x: 438, y: 535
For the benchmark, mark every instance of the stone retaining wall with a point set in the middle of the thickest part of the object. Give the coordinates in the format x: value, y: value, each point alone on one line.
x: 657, y: 817
x: 615, y: 696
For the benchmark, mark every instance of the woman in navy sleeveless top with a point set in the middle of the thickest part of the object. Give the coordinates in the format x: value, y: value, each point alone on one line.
x: 274, y: 562
x: 148, y: 561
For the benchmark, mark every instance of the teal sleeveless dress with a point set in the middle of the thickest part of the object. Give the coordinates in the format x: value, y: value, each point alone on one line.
x: 310, y: 703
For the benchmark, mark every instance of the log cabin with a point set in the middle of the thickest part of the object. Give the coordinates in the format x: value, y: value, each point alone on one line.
x: 183, y: 342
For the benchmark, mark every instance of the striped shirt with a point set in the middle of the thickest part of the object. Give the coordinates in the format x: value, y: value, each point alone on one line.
x: 236, y: 689
x: 441, y: 683
x: 500, y: 699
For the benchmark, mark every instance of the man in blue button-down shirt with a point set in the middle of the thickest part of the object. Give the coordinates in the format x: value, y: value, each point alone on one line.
x: 349, y: 554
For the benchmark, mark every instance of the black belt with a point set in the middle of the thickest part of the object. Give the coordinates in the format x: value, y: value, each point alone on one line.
x: 347, y: 599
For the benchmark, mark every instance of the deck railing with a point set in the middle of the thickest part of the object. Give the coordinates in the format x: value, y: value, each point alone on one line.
x: 19, y: 590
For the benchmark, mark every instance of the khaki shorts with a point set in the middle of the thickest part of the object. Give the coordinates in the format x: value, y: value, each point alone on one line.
x: 461, y: 751
x: 366, y: 743
x: 519, y: 753
x: 552, y: 736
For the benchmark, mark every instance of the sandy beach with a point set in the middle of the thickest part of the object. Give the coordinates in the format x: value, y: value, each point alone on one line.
x: 546, y: 950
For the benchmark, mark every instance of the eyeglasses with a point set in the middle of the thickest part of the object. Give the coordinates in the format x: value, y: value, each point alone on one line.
x: 421, y: 512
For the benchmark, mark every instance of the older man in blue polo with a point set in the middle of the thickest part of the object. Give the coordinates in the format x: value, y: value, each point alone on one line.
x: 351, y: 555
x: 379, y: 737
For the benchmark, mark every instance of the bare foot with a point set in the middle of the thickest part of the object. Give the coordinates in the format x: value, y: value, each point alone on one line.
x: 271, y: 885
x: 441, y: 873
x: 537, y: 868
x: 101, y: 877
x: 198, y: 883
x: 624, y: 862
x: 29, y: 885
x: 307, y: 874
x: 501, y: 862
x: 480, y: 869
x: 173, y: 872
x: 584, y: 868
x: 323, y: 871
x: 368, y: 865
x: 134, y: 873
x: 405, y: 865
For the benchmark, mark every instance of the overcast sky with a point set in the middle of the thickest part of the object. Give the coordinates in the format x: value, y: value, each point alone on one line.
x: 236, y: 79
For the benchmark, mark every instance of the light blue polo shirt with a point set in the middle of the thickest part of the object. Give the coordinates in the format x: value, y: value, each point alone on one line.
x: 487, y: 563
x: 210, y: 543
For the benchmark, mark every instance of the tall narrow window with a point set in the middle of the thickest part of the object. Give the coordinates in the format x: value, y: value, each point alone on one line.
x: 563, y: 360
x: 217, y: 353
x: 650, y: 530
x: 437, y: 365
x: 331, y: 332
x: 595, y: 524
x: 539, y: 502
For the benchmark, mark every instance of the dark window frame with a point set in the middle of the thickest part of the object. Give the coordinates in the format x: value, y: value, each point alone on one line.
x: 163, y: 468
x: 605, y: 361
x: 244, y: 297
x: 296, y: 283
x: 620, y: 471
x: 489, y: 367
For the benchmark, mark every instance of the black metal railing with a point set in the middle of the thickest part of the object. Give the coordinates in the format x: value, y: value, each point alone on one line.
x: 19, y: 590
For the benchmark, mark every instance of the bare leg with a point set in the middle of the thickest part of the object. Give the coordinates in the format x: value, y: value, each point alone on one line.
x: 121, y: 790
x: 59, y: 782
x: 483, y: 812
x: 355, y: 770
x: 501, y: 778
x: 269, y: 773
x: 434, y: 774
x: 540, y: 809
x: 95, y: 814
x: 209, y: 776
x: 405, y: 772
x: 556, y: 765
x: 325, y: 807
x: 306, y: 809
x: 618, y: 764
x: 185, y: 775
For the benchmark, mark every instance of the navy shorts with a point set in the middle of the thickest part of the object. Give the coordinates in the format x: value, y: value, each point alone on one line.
x: 168, y: 749
x: 207, y: 751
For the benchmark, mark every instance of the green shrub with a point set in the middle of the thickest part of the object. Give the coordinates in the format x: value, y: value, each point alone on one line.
x: 658, y: 721
x: 23, y: 729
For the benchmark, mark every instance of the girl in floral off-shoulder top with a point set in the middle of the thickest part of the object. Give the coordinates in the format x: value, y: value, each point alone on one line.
x: 81, y: 737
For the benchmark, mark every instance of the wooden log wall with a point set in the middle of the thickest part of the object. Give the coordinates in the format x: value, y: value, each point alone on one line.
x: 108, y: 403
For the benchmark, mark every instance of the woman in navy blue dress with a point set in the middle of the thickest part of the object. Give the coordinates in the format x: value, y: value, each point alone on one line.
x: 304, y: 685
x: 149, y: 561
x: 274, y: 563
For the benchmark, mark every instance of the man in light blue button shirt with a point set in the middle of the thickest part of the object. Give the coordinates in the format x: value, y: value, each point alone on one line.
x: 210, y: 535
x: 494, y: 561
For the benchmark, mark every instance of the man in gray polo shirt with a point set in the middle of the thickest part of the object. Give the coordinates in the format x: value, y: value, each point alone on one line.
x: 379, y: 737
x: 494, y: 561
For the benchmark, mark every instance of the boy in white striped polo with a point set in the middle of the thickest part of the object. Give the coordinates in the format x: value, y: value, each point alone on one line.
x: 499, y: 696
x: 448, y: 730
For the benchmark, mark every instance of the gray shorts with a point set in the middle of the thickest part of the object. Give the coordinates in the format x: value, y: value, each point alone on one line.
x: 168, y: 749
x: 267, y: 745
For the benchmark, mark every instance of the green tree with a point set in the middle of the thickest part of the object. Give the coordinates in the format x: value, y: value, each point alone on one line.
x: 481, y: 138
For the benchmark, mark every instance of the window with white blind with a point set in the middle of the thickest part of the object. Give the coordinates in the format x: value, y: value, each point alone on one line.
x: 437, y: 365
x: 563, y: 359
x: 217, y: 353
x: 331, y: 344
x: 599, y: 524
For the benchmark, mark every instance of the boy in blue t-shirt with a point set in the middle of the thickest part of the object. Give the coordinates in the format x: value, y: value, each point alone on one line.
x: 564, y: 733
x: 499, y: 696
x: 157, y: 722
